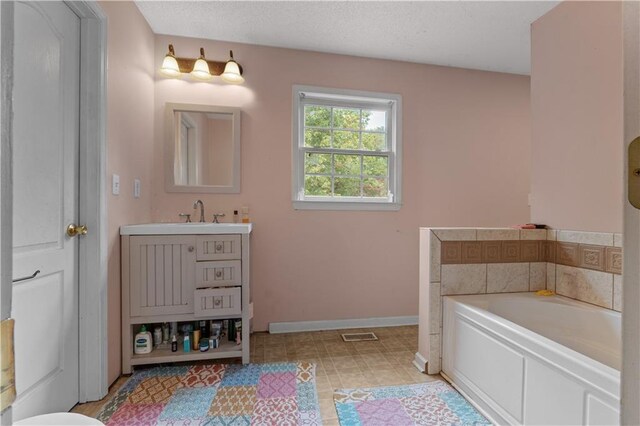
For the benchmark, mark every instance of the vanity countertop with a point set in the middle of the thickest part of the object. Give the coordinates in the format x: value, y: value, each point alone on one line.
x: 193, y: 228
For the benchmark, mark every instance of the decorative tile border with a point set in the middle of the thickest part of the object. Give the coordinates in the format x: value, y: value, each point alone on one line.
x: 586, y: 256
x: 589, y: 256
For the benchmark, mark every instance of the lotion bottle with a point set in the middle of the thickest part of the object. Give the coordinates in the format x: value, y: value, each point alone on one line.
x: 143, y: 343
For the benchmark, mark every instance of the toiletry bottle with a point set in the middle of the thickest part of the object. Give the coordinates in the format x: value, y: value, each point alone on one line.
x: 245, y: 214
x: 142, y: 343
x: 231, y: 333
x: 186, y: 344
x: 203, y: 330
x: 236, y: 217
x: 165, y: 332
x: 174, y: 344
x: 238, y: 332
x: 157, y: 336
x: 204, y: 345
x: 196, y: 340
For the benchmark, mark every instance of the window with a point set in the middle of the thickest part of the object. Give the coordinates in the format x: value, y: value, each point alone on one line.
x: 346, y: 149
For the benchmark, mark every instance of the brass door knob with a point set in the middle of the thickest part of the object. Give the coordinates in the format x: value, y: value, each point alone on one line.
x: 73, y: 230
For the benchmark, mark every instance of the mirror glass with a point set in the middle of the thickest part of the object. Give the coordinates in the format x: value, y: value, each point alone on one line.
x: 204, y: 149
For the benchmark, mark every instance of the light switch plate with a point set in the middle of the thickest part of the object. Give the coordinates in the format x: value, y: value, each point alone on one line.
x: 115, y: 185
x: 136, y: 188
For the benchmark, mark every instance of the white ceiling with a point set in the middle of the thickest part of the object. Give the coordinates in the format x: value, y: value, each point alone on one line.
x: 485, y: 35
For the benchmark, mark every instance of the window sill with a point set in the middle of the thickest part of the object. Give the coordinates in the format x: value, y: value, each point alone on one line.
x: 345, y: 205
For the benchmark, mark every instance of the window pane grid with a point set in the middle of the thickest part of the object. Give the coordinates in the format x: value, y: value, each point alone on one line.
x: 321, y: 120
x: 369, y: 180
x: 348, y: 149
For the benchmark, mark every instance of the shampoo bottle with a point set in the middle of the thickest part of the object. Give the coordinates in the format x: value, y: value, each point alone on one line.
x: 186, y: 344
x: 143, y: 342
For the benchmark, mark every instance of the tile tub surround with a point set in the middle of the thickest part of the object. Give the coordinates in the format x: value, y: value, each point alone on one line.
x: 581, y: 265
x: 587, y: 266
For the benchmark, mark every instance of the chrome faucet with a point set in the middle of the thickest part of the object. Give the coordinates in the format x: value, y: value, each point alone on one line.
x: 195, y: 206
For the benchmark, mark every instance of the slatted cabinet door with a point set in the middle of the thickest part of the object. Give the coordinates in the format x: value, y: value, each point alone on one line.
x: 162, y: 276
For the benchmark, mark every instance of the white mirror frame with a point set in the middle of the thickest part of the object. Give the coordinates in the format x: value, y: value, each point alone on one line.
x: 169, y: 152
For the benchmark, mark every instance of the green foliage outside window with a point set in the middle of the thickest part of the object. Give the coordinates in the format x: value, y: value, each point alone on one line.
x: 349, y: 174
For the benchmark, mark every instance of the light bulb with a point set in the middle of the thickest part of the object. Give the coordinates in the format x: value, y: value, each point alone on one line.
x: 201, y: 68
x: 170, y: 66
x: 231, y: 72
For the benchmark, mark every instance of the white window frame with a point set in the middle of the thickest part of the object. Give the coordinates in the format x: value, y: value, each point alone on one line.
x: 303, y: 95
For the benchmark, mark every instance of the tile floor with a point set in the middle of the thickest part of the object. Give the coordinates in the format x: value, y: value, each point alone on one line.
x: 385, y: 362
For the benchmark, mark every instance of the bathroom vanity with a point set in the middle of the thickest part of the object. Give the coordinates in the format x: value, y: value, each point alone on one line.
x: 184, y: 272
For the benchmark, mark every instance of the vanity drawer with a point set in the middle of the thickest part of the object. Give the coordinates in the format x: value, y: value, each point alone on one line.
x: 219, y: 273
x: 218, y: 247
x: 217, y: 302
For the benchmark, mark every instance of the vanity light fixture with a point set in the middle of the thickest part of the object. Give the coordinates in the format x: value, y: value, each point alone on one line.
x: 231, y: 72
x: 201, y: 68
x: 170, y: 66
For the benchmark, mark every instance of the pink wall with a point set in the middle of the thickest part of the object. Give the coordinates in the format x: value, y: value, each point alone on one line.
x: 129, y: 141
x: 466, y: 163
x: 577, y: 117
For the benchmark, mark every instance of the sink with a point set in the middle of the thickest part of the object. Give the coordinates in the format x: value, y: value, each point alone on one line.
x: 185, y: 228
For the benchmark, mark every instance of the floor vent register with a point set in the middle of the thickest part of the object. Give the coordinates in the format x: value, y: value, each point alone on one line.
x: 358, y: 337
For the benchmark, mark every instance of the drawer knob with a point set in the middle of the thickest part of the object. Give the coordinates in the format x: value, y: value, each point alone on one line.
x: 216, y: 302
x: 219, y: 247
x: 218, y: 274
x: 191, y: 249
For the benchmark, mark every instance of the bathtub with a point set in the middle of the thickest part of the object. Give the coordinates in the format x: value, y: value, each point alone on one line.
x: 534, y: 360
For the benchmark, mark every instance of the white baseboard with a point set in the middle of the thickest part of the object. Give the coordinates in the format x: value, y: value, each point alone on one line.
x: 420, y: 362
x: 297, y: 326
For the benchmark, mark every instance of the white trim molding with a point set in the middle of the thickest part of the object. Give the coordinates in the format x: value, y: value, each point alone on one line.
x: 390, y: 103
x: 298, y: 326
x: 93, y: 204
x: 420, y: 362
x: 6, y: 184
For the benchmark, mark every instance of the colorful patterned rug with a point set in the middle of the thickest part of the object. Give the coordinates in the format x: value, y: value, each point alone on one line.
x: 433, y: 403
x: 217, y: 394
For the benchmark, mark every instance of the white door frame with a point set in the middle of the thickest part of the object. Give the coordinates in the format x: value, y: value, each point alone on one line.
x: 630, y: 376
x: 6, y: 183
x: 93, y: 207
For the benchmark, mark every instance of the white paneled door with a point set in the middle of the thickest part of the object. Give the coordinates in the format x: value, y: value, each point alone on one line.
x: 45, y: 202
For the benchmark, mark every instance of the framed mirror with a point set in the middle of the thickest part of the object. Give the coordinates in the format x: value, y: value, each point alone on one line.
x: 202, y: 149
